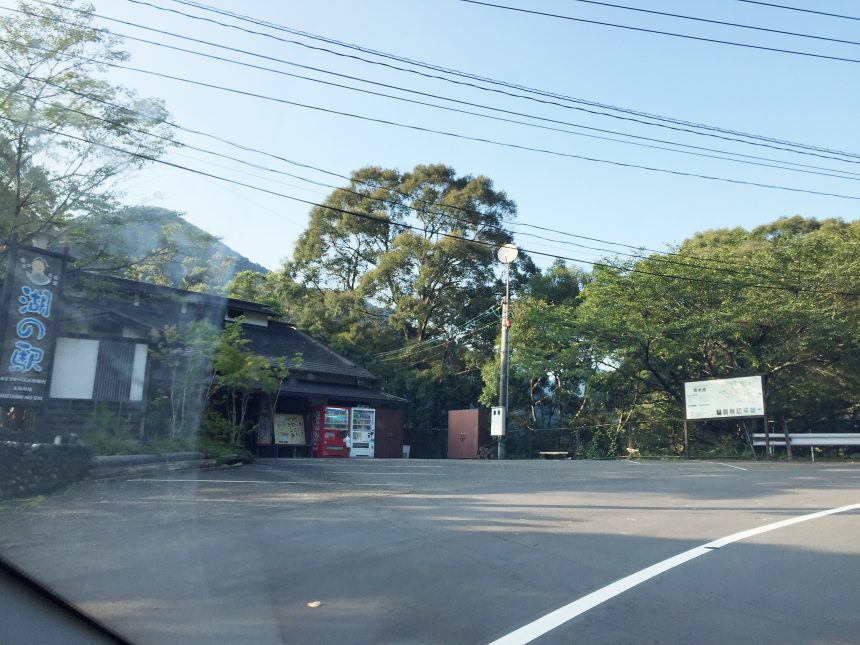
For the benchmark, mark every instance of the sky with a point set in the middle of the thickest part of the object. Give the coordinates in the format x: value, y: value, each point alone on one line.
x: 782, y: 96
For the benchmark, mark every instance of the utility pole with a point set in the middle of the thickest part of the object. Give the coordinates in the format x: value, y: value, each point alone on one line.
x: 507, y: 254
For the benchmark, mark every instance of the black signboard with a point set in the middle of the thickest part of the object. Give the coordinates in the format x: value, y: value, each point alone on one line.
x: 31, y: 293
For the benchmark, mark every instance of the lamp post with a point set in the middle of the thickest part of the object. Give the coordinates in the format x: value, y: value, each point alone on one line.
x: 506, y: 254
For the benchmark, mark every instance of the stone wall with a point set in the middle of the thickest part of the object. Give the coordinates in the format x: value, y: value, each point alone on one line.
x: 32, y: 468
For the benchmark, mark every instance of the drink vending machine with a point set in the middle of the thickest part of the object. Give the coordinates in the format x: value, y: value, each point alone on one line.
x: 330, y: 431
x: 363, y: 432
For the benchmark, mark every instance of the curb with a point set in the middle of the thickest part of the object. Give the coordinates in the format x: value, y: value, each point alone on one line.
x: 110, y: 467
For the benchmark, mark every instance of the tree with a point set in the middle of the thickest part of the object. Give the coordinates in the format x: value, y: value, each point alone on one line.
x: 422, y: 248
x: 407, y: 276
x: 547, y: 366
x: 185, y: 358
x: 780, y: 301
x: 210, y: 372
x: 61, y: 125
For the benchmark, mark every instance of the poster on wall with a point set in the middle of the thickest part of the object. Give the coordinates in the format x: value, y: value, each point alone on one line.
x: 30, y: 308
x: 724, y: 398
x: 264, y: 432
x: 290, y: 429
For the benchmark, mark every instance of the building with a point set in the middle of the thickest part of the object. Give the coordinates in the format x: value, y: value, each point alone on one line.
x: 107, y: 368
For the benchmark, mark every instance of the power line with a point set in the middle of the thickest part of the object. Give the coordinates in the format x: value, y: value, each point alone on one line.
x: 812, y: 11
x: 490, y: 245
x: 459, y: 332
x: 662, y: 33
x: 380, y: 199
x: 422, y: 352
x: 433, y: 354
x: 638, y: 255
x: 664, y: 120
x: 375, y: 198
x: 464, y: 137
x: 719, y: 22
x: 811, y: 169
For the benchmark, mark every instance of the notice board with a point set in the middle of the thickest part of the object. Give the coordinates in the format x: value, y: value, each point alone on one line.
x: 290, y: 429
x: 724, y: 398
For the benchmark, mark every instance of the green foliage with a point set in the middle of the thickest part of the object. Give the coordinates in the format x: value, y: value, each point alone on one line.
x: 52, y: 57
x: 547, y: 367
x: 211, y: 379
x: 255, y: 286
x: 154, y: 245
x: 109, y: 434
x: 772, y: 301
x: 374, y: 286
x: 185, y: 355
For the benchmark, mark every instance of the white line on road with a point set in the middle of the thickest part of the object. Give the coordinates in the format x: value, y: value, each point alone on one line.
x: 258, y: 481
x: 353, y: 472
x: 359, y: 463
x: 541, y: 626
x: 719, y: 463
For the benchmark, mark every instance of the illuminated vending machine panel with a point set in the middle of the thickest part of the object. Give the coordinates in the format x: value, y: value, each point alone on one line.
x: 363, y: 432
x: 329, y: 431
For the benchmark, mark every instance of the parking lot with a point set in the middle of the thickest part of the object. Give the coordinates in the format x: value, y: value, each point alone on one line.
x: 409, y: 551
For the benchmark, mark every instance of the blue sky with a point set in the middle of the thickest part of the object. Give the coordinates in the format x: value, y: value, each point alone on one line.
x: 807, y: 100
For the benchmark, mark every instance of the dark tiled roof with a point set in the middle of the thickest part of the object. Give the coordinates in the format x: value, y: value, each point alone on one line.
x: 281, y: 339
x: 344, y: 393
x: 83, y: 279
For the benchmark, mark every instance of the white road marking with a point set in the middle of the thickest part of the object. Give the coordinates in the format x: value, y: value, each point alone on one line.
x: 330, y: 462
x: 541, y: 626
x: 719, y: 463
x: 353, y: 472
x: 257, y: 481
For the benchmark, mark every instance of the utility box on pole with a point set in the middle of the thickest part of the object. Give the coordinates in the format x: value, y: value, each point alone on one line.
x: 497, y: 422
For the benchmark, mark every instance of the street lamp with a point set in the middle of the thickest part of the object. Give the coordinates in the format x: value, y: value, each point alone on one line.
x: 506, y: 254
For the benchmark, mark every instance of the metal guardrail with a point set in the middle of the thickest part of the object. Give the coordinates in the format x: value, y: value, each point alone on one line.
x: 809, y: 439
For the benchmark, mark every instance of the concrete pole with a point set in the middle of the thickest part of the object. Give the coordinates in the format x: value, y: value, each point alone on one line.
x: 503, y: 368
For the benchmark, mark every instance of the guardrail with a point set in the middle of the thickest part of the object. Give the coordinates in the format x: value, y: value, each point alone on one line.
x: 808, y: 439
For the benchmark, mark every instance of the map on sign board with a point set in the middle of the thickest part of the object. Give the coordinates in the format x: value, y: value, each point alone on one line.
x: 290, y: 429
x: 724, y: 398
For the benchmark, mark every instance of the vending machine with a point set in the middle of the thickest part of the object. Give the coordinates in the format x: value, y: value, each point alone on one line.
x: 330, y: 431
x: 362, y: 432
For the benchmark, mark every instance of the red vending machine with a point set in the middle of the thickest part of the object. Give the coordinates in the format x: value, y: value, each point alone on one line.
x: 330, y: 431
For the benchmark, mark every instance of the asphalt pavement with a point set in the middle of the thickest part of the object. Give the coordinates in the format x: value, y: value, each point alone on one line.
x: 409, y: 551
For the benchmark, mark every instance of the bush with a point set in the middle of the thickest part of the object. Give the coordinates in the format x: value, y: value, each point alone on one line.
x: 109, y: 434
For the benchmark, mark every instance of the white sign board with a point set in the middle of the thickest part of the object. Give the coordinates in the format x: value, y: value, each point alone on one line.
x: 724, y: 398
x: 497, y: 422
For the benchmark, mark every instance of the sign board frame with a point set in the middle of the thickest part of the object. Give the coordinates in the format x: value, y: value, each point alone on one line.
x: 726, y: 398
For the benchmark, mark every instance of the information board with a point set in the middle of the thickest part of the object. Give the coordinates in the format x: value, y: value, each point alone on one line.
x: 290, y: 429
x: 724, y: 398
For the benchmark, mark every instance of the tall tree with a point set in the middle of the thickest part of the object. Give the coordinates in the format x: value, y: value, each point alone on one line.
x: 61, y: 125
x: 781, y: 301
x: 410, y: 271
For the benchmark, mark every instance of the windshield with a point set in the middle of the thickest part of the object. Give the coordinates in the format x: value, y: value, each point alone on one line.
x: 434, y: 322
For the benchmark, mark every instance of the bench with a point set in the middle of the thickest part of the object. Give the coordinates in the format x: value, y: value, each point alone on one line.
x: 559, y: 454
